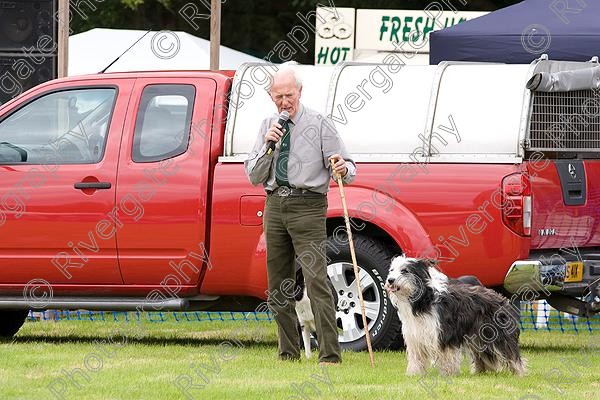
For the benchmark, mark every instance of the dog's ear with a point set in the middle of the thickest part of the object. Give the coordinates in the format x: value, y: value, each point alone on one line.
x: 431, y: 262
x: 395, y: 258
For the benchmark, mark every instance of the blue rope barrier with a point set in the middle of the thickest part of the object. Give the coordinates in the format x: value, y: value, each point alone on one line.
x: 540, y: 316
x: 535, y: 316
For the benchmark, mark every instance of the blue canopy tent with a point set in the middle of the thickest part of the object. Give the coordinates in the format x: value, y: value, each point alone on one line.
x: 564, y: 29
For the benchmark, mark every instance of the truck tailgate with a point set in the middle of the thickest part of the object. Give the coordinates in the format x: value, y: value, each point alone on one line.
x: 566, y: 204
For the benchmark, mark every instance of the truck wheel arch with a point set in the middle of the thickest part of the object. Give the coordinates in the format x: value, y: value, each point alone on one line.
x: 396, y: 225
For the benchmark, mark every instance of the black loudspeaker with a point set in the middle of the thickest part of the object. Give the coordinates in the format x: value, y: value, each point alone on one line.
x: 19, y: 72
x: 28, y: 45
x: 22, y: 23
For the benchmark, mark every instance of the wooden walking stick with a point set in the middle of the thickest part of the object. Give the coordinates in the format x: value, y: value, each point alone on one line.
x: 355, y: 265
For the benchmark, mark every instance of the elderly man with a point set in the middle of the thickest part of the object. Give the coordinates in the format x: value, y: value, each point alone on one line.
x: 296, y: 178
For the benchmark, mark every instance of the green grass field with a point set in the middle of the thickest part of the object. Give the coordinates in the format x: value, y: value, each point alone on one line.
x: 144, y: 360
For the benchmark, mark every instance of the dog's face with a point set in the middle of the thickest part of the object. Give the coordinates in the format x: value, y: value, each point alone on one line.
x: 415, y: 282
x: 407, y: 278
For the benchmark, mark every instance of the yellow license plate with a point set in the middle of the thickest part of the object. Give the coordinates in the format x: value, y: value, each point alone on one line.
x: 574, y: 272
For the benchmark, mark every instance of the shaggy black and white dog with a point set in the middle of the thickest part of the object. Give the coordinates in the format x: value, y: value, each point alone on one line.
x: 306, y: 319
x: 443, y: 318
x: 307, y: 326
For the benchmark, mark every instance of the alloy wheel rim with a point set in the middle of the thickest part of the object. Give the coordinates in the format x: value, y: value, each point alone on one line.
x: 348, y: 315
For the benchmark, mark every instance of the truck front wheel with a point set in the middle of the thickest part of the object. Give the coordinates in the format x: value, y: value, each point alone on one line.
x: 11, y: 321
x: 373, y: 263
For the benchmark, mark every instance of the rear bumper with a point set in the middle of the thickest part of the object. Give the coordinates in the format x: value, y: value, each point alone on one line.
x: 536, y: 276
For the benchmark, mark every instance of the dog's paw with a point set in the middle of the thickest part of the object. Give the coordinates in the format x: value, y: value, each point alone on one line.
x: 449, y: 371
x: 415, y: 371
x: 519, y: 367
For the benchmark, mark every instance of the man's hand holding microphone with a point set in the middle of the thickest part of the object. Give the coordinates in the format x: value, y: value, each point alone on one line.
x: 276, y: 132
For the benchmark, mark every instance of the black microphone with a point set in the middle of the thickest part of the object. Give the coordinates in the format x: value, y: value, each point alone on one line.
x: 283, y: 117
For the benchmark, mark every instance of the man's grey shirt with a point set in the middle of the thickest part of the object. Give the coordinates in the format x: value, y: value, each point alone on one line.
x: 313, y: 140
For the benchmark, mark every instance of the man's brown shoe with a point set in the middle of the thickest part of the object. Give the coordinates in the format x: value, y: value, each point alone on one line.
x: 324, y: 363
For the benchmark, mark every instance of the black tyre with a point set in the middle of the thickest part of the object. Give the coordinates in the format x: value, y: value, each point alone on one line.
x: 373, y: 261
x: 11, y: 322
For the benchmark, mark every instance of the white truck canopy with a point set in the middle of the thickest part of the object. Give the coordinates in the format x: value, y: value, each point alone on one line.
x: 385, y: 112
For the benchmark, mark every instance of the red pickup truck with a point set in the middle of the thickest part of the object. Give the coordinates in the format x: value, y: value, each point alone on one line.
x: 127, y: 191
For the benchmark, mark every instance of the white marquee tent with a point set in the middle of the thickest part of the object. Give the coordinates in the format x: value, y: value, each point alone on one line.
x: 92, y: 51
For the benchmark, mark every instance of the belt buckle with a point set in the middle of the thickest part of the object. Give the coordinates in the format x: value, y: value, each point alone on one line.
x: 284, y: 191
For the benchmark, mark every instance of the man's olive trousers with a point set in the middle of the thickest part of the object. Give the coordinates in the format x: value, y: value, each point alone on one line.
x: 295, y: 226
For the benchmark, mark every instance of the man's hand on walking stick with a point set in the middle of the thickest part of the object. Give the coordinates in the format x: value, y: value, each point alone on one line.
x: 338, y: 166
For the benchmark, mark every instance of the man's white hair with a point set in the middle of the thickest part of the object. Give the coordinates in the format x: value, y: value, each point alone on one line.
x: 286, y: 69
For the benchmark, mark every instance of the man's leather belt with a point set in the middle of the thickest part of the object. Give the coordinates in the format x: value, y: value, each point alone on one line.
x: 284, y: 191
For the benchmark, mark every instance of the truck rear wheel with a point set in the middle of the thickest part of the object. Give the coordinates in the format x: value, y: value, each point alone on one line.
x: 373, y: 261
x: 11, y: 321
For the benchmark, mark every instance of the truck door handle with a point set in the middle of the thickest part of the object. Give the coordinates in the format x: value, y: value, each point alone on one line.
x: 92, y: 185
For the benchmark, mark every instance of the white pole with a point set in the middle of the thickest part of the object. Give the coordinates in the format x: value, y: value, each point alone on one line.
x: 215, y: 34
x: 63, y: 38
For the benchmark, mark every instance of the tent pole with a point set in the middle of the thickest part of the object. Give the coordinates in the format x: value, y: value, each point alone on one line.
x: 215, y: 34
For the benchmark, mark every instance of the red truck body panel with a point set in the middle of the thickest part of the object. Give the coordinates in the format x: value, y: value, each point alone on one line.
x: 171, y: 222
x: 428, y: 212
x: 171, y: 197
x: 54, y: 214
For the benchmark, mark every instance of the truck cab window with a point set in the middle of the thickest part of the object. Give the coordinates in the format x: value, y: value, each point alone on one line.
x: 70, y: 126
x: 162, y: 125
